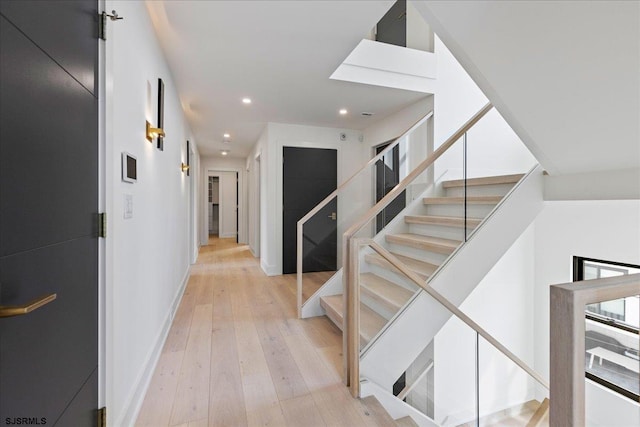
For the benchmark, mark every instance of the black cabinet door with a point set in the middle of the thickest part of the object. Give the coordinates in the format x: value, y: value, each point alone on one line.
x: 48, y: 207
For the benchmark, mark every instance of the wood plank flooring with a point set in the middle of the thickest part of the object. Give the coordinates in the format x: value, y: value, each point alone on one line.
x: 236, y: 354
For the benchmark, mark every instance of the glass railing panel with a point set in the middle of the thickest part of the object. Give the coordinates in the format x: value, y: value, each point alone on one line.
x: 463, y: 377
x: 507, y: 394
x: 322, y: 228
x: 611, y: 346
x: 441, y: 206
x: 441, y: 382
x: 454, y: 393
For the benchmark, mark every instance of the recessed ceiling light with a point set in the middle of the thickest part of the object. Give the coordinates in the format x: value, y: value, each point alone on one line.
x: 246, y: 100
x: 224, y: 152
x: 226, y: 135
x: 343, y: 111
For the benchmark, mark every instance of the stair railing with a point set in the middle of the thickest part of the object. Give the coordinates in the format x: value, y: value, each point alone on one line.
x: 322, y: 209
x: 353, y: 322
x: 348, y: 255
x: 567, y: 341
x: 475, y: 415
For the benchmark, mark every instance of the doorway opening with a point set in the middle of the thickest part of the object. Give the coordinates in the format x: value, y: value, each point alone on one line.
x: 222, y: 209
x: 387, y: 177
x: 214, y: 206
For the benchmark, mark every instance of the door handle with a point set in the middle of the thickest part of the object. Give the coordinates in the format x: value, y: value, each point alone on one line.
x: 332, y: 216
x: 17, y: 310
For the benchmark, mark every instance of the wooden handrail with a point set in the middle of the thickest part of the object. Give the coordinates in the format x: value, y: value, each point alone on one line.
x: 405, y: 391
x: 567, y: 343
x: 357, y: 243
x: 326, y: 200
x: 370, y: 214
x: 402, y: 185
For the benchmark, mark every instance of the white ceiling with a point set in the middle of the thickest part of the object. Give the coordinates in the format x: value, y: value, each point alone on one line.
x: 278, y: 53
x: 564, y: 75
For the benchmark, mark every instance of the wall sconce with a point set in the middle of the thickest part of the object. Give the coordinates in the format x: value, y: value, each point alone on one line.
x: 184, y: 167
x: 153, y: 132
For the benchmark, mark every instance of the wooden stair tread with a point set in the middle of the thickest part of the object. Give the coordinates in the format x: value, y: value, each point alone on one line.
x: 450, y: 221
x: 434, y: 244
x: 471, y: 200
x: 406, y: 422
x: 384, y: 291
x: 485, y: 180
x: 539, y: 415
x: 370, y: 321
x: 334, y: 307
x: 372, y: 408
x: 421, y: 268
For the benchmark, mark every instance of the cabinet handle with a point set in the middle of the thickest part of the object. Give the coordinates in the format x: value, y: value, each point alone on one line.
x: 18, y: 310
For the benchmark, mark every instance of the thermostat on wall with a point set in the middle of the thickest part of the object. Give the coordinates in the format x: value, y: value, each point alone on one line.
x: 129, y: 168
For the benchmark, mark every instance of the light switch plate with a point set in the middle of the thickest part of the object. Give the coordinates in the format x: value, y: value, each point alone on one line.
x: 128, y: 206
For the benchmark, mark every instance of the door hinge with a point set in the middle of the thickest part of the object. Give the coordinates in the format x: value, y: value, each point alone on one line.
x: 102, y: 224
x: 102, y: 23
x: 102, y: 417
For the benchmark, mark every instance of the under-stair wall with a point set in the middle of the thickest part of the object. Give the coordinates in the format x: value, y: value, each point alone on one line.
x: 387, y: 357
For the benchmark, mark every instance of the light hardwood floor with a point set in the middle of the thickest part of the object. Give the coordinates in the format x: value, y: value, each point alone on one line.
x: 236, y: 354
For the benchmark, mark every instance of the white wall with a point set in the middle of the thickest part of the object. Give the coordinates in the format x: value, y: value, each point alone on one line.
x: 419, y: 34
x: 563, y: 73
x: 226, y: 168
x: 352, y: 155
x: 283, y: 135
x: 607, y: 230
x: 257, y: 184
x: 148, y: 255
x: 506, y: 292
x: 492, y: 147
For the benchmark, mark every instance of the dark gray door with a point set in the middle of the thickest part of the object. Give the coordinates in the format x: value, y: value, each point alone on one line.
x: 309, y: 175
x: 392, y: 28
x: 48, y: 208
x: 387, y: 177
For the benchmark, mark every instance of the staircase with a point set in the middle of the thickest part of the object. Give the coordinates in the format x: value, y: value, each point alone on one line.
x: 373, y: 408
x: 431, y: 236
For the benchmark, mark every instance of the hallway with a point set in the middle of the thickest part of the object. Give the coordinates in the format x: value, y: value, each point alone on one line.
x: 237, y: 355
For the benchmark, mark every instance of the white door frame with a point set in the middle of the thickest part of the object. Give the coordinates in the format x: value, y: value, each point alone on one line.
x: 241, y: 224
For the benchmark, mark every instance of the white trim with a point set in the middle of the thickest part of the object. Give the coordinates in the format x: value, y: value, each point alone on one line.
x: 133, y: 403
x: 269, y: 269
x: 103, y: 75
x: 280, y: 145
x: 241, y: 223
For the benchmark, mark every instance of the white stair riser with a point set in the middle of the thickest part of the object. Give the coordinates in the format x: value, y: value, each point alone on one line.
x: 442, y: 231
x: 473, y: 211
x: 382, y: 309
x: 396, y: 278
x: 480, y: 190
x: 333, y: 286
x: 422, y: 255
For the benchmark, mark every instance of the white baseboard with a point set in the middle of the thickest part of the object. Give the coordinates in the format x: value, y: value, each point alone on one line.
x: 135, y: 399
x: 269, y: 270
